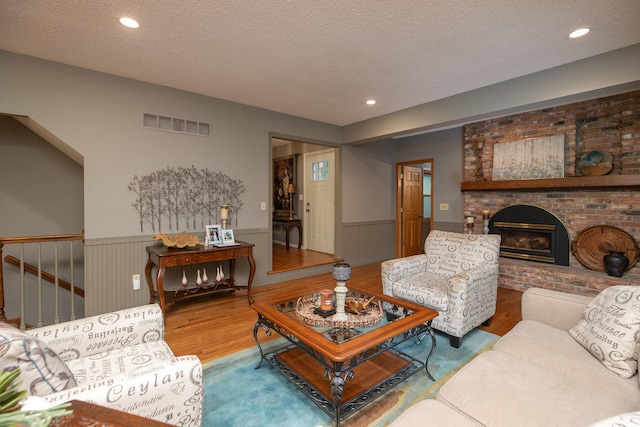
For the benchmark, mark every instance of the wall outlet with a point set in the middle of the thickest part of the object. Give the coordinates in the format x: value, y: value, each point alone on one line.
x: 444, y: 206
x: 136, y: 282
x: 263, y: 206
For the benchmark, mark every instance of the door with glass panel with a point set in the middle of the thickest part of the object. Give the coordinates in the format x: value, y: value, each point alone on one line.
x: 319, y: 201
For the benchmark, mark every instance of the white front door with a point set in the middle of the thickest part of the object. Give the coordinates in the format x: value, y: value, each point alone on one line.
x: 319, y: 200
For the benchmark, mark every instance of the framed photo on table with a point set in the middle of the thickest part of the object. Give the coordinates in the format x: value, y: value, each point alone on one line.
x: 227, y: 237
x: 213, y: 235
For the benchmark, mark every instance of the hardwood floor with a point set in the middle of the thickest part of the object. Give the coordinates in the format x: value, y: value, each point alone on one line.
x: 221, y: 324
x: 293, y: 258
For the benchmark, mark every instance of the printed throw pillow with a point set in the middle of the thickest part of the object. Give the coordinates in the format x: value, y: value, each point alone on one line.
x: 41, y: 370
x: 610, y: 327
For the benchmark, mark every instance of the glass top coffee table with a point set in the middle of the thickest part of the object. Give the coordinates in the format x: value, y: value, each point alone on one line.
x: 343, y: 365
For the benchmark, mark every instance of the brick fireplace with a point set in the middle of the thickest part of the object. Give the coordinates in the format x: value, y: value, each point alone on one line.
x: 611, y: 124
x: 531, y: 233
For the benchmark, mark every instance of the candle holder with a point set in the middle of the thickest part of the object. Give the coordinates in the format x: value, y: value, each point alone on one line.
x: 469, y: 223
x: 485, y: 221
x: 326, y: 300
x: 341, y: 272
x: 224, y: 215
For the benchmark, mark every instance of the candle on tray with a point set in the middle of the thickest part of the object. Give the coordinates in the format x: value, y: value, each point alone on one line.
x: 326, y: 299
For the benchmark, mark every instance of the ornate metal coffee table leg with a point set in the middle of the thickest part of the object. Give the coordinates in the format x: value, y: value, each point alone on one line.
x: 433, y: 347
x: 337, y: 387
x: 337, y: 378
x: 267, y: 331
x: 428, y: 331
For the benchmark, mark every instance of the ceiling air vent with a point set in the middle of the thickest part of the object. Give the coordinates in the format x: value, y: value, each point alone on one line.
x: 173, y: 124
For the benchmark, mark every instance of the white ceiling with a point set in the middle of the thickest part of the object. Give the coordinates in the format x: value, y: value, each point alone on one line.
x: 319, y: 59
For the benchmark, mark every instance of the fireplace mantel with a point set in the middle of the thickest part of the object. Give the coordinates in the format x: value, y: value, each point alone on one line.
x: 575, y: 182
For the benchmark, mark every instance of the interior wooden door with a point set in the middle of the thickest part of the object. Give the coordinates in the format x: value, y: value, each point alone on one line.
x: 411, y: 210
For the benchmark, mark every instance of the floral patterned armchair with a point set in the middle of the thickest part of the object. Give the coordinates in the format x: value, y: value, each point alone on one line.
x: 119, y: 360
x: 456, y: 276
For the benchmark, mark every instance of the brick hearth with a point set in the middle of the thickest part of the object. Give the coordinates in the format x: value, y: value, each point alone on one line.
x: 611, y: 124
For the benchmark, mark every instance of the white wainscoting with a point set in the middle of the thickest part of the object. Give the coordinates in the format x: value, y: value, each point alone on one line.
x: 110, y: 263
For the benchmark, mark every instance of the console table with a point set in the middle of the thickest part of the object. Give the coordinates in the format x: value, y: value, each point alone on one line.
x: 163, y: 257
x: 288, y: 224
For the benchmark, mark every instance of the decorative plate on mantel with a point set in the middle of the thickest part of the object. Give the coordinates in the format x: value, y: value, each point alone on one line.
x: 596, y: 163
x: 593, y: 243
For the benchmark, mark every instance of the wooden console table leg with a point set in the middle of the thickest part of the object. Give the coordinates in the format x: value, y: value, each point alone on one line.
x: 287, y: 230
x: 160, y: 286
x: 232, y: 271
x: 147, y: 273
x: 252, y: 272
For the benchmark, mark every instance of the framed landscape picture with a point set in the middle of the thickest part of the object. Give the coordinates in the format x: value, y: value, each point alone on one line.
x: 534, y: 158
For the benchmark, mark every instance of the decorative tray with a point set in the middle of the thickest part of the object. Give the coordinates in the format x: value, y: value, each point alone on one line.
x: 305, y: 312
x: 593, y: 243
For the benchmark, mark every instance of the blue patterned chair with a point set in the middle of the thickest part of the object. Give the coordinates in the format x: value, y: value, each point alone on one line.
x: 456, y: 276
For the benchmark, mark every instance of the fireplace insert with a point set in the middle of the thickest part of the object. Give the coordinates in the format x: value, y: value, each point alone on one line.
x: 531, y: 233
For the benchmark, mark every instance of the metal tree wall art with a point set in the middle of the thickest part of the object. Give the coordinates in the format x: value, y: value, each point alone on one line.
x: 184, y: 197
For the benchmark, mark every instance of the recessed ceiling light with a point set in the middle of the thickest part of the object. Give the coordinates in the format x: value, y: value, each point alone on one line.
x: 579, y: 33
x: 371, y: 102
x: 129, y: 22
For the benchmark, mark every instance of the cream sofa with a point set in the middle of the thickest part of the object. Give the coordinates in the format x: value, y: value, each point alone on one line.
x: 536, y: 375
x: 119, y: 360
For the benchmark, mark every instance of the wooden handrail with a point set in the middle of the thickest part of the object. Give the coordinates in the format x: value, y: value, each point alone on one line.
x: 29, y: 239
x: 37, y: 239
x: 47, y: 276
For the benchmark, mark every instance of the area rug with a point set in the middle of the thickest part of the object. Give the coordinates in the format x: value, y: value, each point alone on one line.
x: 237, y: 395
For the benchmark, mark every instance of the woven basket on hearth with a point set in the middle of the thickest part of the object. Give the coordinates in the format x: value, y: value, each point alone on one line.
x: 593, y: 243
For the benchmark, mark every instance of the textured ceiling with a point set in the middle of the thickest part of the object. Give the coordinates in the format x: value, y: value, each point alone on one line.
x: 319, y: 59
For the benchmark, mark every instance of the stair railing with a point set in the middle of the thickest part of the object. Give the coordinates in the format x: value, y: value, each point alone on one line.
x: 25, y: 267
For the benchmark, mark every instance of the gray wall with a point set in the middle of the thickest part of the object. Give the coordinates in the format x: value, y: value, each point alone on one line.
x: 368, y: 186
x: 446, y: 149
x: 41, y: 193
x: 100, y: 117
